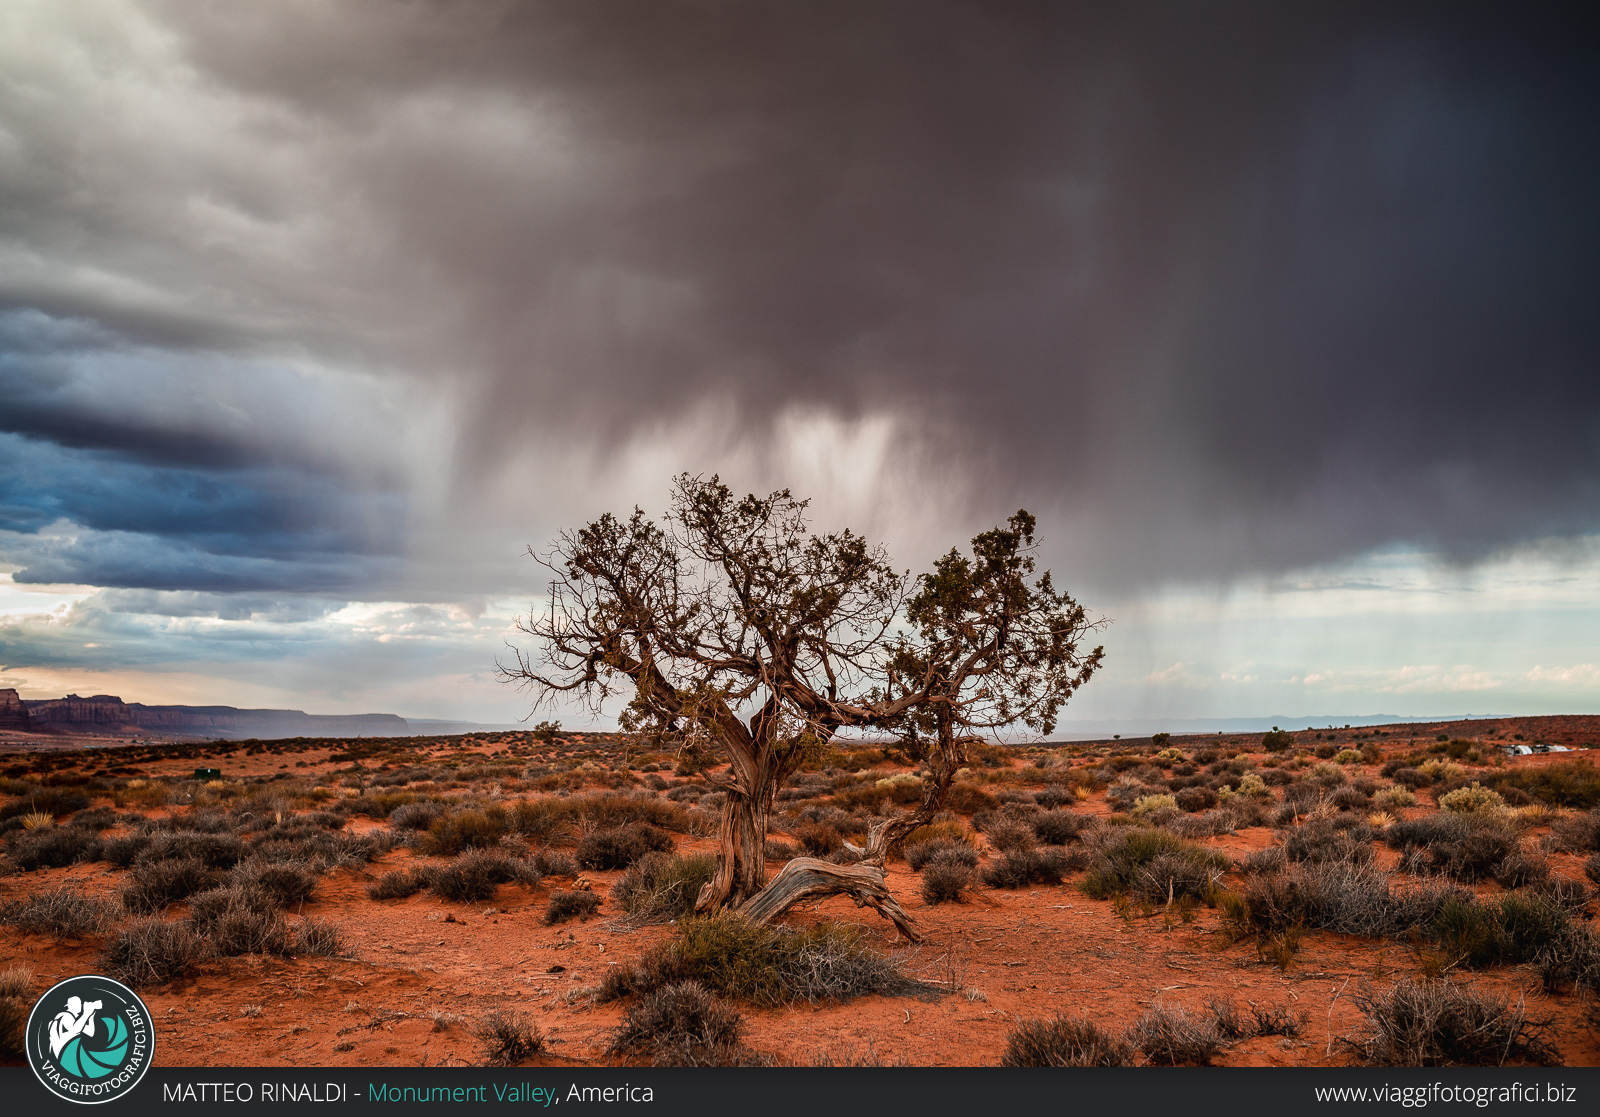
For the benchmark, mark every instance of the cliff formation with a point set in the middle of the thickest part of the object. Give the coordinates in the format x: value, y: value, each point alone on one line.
x: 13, y: 714
x: 105, y: 713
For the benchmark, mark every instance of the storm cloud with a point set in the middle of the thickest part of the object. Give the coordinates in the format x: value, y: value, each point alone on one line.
x: 294, y: 293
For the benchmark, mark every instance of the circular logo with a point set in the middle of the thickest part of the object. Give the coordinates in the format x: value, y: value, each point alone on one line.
x: 90, y: 1039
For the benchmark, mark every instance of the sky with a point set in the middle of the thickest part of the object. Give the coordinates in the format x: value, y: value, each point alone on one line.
x: 1281, y: 318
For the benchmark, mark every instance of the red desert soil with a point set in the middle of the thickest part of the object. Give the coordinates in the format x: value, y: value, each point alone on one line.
x: 424, y: 971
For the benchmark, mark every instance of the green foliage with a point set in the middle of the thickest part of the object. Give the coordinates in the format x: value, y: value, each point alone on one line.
x: 1472, y: 799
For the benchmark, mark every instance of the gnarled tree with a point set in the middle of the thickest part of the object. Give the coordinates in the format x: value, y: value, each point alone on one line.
x: 734, y: 624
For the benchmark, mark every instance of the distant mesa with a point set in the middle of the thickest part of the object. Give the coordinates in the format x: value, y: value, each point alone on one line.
x: 108, y: 714
x: 13, y: 712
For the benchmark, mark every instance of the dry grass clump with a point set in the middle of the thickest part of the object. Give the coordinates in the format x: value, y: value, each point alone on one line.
x: 571, y: 905
x: 152, y: 951
x: 508, y: 1038
x: 1172, y: 1037
x: 1057, y: 827
x: 156, y: 884
x: 945, y: 881
x: 1152, y: 865
x: 1467, y: 847
x: 287, y: 882
x: 64, y: 912
x: 621, y: 846
x: 15, y: 983
x: 318, y: 938
x: 659, y: 886
x: 680, y: 1025
x: 764, y: 965
x: 397, y: 885
x: 450, y: 834
x: 52, y: 847
x: 1065, y: 1042
x: 921, y: 854
x: 1021, y: 867
x: 473, y: 877
x: 239, y: 920
x: 1330, y: 839
x: 1443, y: 1024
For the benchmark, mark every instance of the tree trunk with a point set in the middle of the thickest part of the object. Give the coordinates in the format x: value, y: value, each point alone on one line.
x: 742, y: 851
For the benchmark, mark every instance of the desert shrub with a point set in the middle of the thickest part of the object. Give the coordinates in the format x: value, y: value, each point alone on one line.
x: 1440, y: 771
x: 1054, y: 795
x: 1320, y: 840
x: 660, y: 886
x: 1147, y: 805
x: 945, y: 881
x: 1576, y: 834
x: 122, y: 851
x: 922, y: 854
x: 1065, y: 1042
x: 14, y: 1006
x: 156, y: 884
x: 474, y: 876
x: 1059, y: 827
x: 1010, y: 834
x: 216, y: 851
x: 1466, y: 847
x: 1570, y: 783
x: 1392, y: 798
x: 64, y: 912
x: 1442, y: 1024
x: 53, y: 847
x: 1128, y: 862
x: 682, y: 1015
x: 1172, y: 1037
x: 508, y: 1038
x: 238, y: 921
x: 1022, y: 867
x: 1472, y: 799
x: 553, y: 863
x: 620, y: 847
x: 608, y: 810
x: 1347, y: 756
x: 52, y: 801
x: 397, y: 885
x: 287, y: 883
x: 1349, y: 798
x: 779, y: 850
x: 763, y: 964
x: 415, y: 815
x: 1195, y: 799
x: 968, y: 798
x: 469, y: 829
x: 318, y: 938
x: 1277, y: 1020
x: 152, y: 951
x: 571, y: 905
x: 1591, y: 869
x: 1228, y: 1020
x: 1332, y: 896
x: 818, y: 839
x: 1277, y: 741
x: 1521, y: 869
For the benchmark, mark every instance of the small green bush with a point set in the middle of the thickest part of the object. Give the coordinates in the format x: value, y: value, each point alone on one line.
x: 1472, y: 799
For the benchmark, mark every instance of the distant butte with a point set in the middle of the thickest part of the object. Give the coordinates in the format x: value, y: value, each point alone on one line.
x: 108, y: 714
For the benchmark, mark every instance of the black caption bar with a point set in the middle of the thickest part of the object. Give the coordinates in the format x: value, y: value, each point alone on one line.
x: 834, y: 1092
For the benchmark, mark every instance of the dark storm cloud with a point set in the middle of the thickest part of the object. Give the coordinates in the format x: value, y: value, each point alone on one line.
x: 1226, y: 286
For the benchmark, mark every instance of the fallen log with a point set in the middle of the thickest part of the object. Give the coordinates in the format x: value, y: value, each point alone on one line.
x: 808, y: 878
